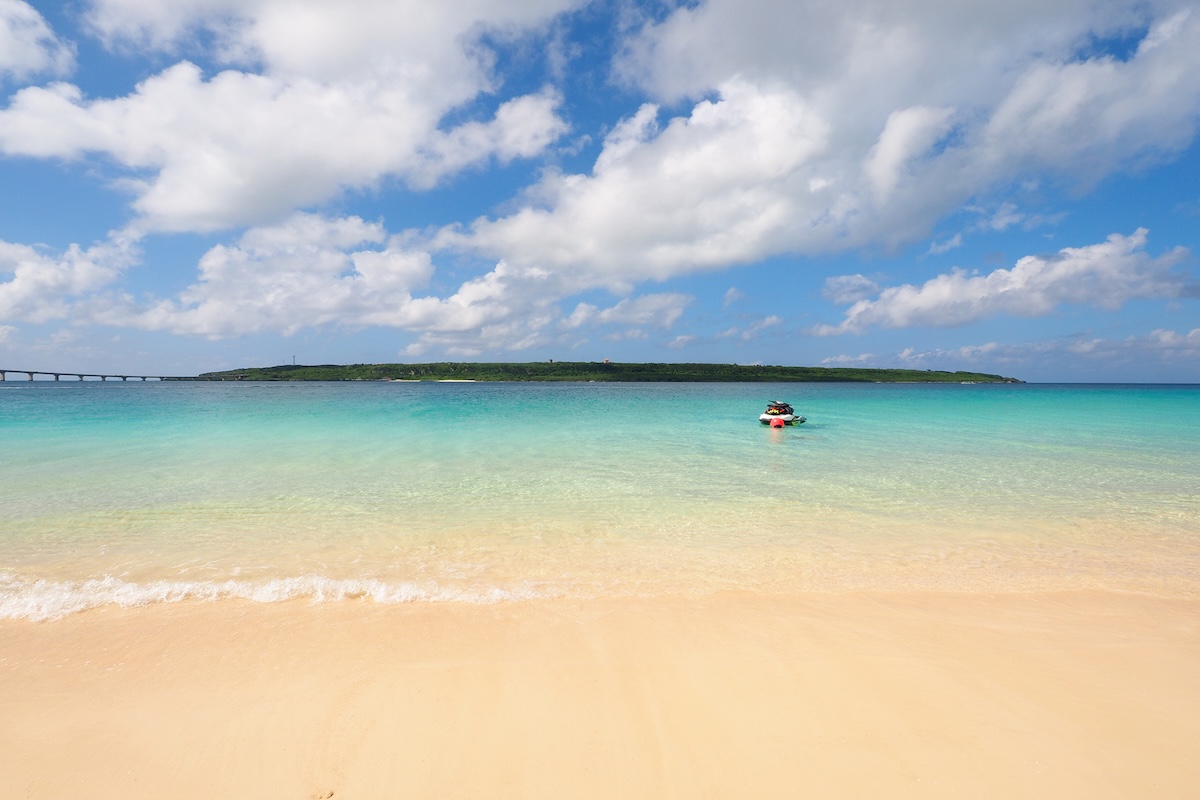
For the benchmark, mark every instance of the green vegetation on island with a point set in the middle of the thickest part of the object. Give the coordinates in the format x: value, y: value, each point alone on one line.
x: 598, y: 371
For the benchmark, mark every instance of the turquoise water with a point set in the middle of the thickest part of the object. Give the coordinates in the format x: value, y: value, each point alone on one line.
x: 143, y: 492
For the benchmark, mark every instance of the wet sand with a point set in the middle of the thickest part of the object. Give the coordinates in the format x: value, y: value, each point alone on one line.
x: 1083, y: 694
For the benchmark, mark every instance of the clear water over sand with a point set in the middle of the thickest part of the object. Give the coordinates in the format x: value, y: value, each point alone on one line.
x: 134, y: 493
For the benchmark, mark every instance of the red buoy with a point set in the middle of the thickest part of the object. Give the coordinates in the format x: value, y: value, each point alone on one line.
x: 777, y: 423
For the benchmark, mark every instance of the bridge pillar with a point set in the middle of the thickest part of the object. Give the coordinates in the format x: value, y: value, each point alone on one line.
x: 2, y: 377
x: 30, y: 374
x: 103, y: 378
x: 55, y: 376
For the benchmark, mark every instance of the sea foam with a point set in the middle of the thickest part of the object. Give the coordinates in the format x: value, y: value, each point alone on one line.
x: 39, y: 600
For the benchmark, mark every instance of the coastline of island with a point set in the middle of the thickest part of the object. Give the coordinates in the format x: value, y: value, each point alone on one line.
x: 598, y: 371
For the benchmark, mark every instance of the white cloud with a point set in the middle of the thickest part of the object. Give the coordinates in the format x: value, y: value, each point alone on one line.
x: 521, y: 128
x: 513, y: 335
x: 241, y: 148
x: 843, y: 360
x: 522, y: 308
x: 340, y: 99
x: 1086, y: 118
x: 935, y: 53
x: 732, y: 295
x: 1150, y: 356
x: 583, y: 313
x: 632, y: 334
x: 733, y: 159
x: 938, y: 248
x: 861, y: 126
x: 1169, y: 346
x: 660, y: 310
x: 1105, y: 275
x: 751, y: 331
x: 27, y: 44
x: 7, y: 332
x: 991, y: 352
x: 761, y: 325
x: 307, y: 272
x: 1003, y: 218
x: 908, y: 134
x: 46, y: 287
x: 843, y: 289
x: 327, y: 41
x: 806, y: 129
x: 313, y: 271
x: 825, y: 129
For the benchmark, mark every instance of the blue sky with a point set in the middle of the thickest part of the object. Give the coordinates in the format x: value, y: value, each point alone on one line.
x: 190, y: 185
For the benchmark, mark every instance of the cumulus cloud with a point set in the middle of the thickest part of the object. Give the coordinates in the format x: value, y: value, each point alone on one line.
x: 512, y: 335
x: 860, y: 128
x: 241, y: 148
x: 935, y: 53
x: 307, y: 272
x: 832, y: 127
x: 1170, y: 346
x: 1085, y: 118
x: 1104, y: 275
x: 1159, y: 350
x: 341, y: 100
x: 312, y: 271
x: 862, y: 124
x: 907, y: 134
x: 330, y: 41
x: 770, y: 128
x: 46, y: 287
x: 843, y: 289
x: 702, y: 192
x: 660, y: 310
x: 27, y: 44
x: 518, y: 319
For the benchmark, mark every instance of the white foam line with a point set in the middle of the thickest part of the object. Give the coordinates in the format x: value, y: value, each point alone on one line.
x: 42, y: 599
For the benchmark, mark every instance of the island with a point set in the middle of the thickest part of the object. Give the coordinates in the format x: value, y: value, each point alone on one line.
x: 597, y: 371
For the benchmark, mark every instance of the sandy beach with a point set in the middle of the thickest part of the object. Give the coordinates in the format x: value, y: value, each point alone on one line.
x: 731, y: 695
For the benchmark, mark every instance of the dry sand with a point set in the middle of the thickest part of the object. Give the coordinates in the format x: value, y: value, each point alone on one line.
x: 739, y: 695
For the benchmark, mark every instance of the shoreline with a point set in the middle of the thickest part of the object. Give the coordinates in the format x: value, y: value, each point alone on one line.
x: 739, y: 694
x: 40, y: 598
x: 600, y: 371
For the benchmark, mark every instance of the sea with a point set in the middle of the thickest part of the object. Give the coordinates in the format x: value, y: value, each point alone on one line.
x: 133, y: 493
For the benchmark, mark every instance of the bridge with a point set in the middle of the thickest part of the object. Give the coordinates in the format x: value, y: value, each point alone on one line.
x: 83, y: 375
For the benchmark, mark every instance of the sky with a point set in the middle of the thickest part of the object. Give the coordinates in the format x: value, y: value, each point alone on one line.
x: 194, y: 185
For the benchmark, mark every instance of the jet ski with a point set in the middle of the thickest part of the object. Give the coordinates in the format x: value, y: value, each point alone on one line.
x: 779, y: 414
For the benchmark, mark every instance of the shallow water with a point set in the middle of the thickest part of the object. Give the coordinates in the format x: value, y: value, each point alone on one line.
x: 143, y: 492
